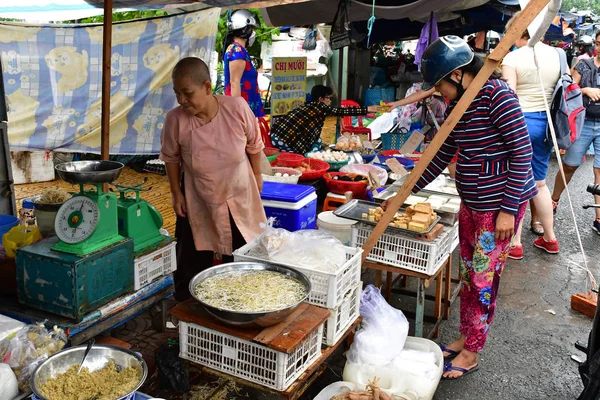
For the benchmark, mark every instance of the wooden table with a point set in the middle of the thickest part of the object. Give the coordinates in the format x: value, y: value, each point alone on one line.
x: 443, y: 297
x: 285, y: 337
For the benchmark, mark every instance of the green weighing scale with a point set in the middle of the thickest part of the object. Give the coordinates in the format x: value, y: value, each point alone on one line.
x: 93, y: 219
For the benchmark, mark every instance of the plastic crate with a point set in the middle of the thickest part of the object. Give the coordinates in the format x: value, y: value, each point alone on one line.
x: 454, y: 237
x: 250, y: 361
x: 154, y: 265
x: 402, y: 250
x: 342, y: 317
x: 328, y: 288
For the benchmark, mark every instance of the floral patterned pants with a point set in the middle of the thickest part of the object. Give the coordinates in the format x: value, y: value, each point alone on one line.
x: 481, y: 262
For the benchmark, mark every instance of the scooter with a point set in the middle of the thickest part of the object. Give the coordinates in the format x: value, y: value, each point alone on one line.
x: 589, y: 370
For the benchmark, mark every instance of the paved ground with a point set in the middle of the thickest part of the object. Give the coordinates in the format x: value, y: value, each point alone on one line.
x: 529, y: 348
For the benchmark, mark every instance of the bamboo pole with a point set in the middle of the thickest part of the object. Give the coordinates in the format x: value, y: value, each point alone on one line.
x: 106, y: 55
x: 527, y: 16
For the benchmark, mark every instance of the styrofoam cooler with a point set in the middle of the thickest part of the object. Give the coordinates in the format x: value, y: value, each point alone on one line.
x: 294, y: 207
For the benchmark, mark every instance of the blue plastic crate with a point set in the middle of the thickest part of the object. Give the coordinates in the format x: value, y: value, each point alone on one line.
x: 294, y: 207
x: 70, y: 285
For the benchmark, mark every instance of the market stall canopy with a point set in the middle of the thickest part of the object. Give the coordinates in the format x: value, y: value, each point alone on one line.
x: 323, y: 11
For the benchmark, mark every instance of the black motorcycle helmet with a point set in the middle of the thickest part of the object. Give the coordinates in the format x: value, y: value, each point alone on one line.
x: 442, y: 57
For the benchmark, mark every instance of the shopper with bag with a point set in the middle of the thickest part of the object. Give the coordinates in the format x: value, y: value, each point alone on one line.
x: 522, y: 69
x: 494, y: 180
x: 587, y: 75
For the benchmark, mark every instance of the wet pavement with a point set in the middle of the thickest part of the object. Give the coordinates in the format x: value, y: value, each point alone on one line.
x: 528, y: 353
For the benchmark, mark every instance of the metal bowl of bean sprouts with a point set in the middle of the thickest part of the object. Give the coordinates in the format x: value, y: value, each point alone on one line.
x: 250, y: 295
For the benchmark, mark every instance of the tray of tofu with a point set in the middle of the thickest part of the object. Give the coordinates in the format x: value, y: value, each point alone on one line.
x: 419, y: 218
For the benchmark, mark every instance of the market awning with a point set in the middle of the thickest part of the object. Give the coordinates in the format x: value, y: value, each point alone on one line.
x: 323, y: 11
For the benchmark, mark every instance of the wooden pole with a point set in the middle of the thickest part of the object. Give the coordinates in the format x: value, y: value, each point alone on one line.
x: 106, y: 55
x: 527, y: 16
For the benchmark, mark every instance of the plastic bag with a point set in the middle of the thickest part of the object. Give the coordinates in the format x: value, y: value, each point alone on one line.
x: 312, y: 249
x: 384, y: 333
x: 9, y: 388
x: 8, y: 327
x: 310, y: 41
x: 29, y: 347
x: 383, y: 124
x: 172, y: 374
x: 19, y: 237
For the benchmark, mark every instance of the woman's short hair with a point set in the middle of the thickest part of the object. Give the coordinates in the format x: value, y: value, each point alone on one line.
x: 319, y: 91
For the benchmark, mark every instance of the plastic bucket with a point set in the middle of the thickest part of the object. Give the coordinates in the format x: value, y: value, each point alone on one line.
x: 7, y: 222
x: 341, y: 228
x: 45, y: 214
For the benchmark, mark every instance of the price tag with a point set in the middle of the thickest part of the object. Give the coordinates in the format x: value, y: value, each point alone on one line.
x: 396, y: 167
x: 373, y: 181
x: 367, y: 144
x: 412, y: 143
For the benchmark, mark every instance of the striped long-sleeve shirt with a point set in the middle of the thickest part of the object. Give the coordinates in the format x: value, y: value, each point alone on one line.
x: 494, y: 153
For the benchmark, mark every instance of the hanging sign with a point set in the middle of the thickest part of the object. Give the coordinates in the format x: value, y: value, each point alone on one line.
x: 289, y: 84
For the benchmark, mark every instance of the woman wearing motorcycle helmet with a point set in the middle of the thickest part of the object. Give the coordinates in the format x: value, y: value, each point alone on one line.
x: 586, y: 49
x: 241, y: 78
x: 494, y: 180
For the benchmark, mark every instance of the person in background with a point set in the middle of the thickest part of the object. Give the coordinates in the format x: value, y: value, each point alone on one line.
x: 241, y: 78
x: 520, y: 71
x: 585, y: 74
x: 494, y: 180
x: 216, y: 141
x: 585, y: 46
x: 299, y: 131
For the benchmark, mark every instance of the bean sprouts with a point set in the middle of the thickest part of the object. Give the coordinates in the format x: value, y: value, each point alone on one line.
x: 250, y: 291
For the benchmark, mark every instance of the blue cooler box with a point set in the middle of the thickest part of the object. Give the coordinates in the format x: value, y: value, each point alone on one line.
x: 294, y: 207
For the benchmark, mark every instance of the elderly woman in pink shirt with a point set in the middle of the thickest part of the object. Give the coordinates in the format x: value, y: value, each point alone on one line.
x: 215, y: 141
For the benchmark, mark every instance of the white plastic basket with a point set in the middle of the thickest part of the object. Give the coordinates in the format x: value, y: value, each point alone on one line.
x: 250, y: 361
x: 403, y: 250
x: 292, y: 178
x: 342, y: 317
x: 454, y: 238
x: 327, y: 288
x: 154, y: 265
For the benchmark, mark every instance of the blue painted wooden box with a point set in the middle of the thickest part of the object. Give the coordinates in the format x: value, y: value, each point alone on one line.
x: 70, y: 285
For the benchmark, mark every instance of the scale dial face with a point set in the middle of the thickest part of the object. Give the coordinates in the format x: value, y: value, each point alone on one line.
x: 76, y: 219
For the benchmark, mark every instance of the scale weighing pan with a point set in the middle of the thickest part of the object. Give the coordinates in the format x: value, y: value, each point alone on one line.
x: 89, y: 172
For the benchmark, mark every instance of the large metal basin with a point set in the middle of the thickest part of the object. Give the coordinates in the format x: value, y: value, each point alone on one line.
x: 91, y: 172
x: 98, y: 357
x: 249, y: 319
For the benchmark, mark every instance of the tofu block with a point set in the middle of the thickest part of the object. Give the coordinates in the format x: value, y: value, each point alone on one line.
x: 454, y: 200
x: 421, y: 217
x: 402, y: 225
x: 371, y: 211
x: 372, y: 218
x: 423, y: 207
x: 438, y: 199
x: 417, y: 226
x: 364, y: 216
x: 410, y: 211
x: 450, y: 208
x: 412, y: 200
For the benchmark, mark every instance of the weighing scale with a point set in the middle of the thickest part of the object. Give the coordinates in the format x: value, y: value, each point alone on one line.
x: 94, y: 219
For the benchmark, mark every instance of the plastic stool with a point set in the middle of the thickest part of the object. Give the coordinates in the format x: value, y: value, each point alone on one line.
x: 333, y: 201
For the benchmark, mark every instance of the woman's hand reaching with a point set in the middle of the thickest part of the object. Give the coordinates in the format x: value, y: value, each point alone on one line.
x: 505, y: 226
x: 179, y: 205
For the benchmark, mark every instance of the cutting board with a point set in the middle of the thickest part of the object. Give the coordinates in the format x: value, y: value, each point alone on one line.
x: 285, y: 336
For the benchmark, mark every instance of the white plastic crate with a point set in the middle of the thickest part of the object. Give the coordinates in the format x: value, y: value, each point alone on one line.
x: 250, y: 361
x: 403, y: 250
x: 327, y: 288
x: 154, y: 265
x: 342, y: 317
x: 454, y: 238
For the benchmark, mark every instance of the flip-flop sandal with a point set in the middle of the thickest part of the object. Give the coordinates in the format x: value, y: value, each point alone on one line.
x: 537, y: 228
x: 465, y: 371
x: 451, y: 353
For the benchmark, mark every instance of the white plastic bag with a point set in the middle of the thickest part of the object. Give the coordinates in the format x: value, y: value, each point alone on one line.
x: 9, y: 327
x: 9, y: 388
x: 383, y: 124
x: 386, y: 328
x: 312, y: 249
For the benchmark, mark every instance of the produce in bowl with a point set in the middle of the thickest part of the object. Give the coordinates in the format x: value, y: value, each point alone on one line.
x: 342, y: 182
x: 328, y: 156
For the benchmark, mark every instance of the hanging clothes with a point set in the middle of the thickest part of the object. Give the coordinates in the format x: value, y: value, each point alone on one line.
x: 429, y: 34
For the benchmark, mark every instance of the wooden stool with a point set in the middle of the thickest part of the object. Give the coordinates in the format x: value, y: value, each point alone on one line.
x: 333, y: 201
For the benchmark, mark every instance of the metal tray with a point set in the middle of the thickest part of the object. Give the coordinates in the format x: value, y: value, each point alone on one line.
x: 355, y: 208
